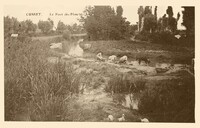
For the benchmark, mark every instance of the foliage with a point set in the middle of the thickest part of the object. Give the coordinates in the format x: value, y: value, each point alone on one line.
x: 13, y: 26
x: 147, y: 10
x: 171, y: 101
x: 32, y: 85
x: 75, y: 28
x: 133, y: 29
x: 149, y: 23
x: 60, y: 27
x: 66, y: 35
x: 123, y: 84
x: 119, y: 11
x: 101, y: 22
x: 45, y: 26
x: 169, y: 11
x: 188, y: 20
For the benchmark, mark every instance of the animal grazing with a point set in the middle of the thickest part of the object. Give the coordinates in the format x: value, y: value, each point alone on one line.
x: 99, y: 57
x: 110, y: 118
x: 177, y: 36
x: 87, y: 46
x: 121, y: 119
x: 123, y: 59
x: 145, y: 120
x: 112, y: 58
x: 140, y: 59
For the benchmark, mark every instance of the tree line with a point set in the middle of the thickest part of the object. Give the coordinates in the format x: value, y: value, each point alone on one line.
x: 28, y: 28
x: 164, y: 29
x: 106, y: 23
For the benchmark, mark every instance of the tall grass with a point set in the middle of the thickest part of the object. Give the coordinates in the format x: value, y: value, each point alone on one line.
x: 160, y: 101
x: 121, y: 83
x: 169, y: 101
x: 32, y: 85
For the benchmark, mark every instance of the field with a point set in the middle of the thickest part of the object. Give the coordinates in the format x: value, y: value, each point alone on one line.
x: 43, y: 84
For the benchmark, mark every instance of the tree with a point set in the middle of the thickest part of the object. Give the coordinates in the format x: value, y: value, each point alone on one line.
x: 51, y: 21
x: 101, y: 22
x: 141, y: 14
x: 150, y: 21
x: 155, y: 12
x: 45, y: 26
x: 169, y: 11
x: 119, y: 11
x: 147, y: 10
x: 11, y: 25
x: 60, y: 27
x: 31, y: 27
x: 168, y: 23
x: 172, y: 22
x: 188, y: 20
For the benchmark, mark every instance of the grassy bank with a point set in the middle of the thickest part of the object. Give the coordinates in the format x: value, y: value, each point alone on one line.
x: 133, y: 49
x: 159, y: 101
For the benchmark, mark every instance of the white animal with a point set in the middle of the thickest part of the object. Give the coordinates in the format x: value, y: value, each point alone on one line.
x: 100, y: 57
x: 14, y: 35
x: 110, y: 118
x: 145, y: 120
x: 87, y: 46
x: 123, y: 59
x: 121, y: 119
x: 56, y: 45
x: 177, y: 36
x: 112, y: 58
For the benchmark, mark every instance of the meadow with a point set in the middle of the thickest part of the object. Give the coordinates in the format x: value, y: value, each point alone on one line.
x: 79, y: 90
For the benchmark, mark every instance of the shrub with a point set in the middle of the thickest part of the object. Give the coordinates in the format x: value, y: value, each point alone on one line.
x: 169, y: 101
x: 164, y: 38
x: 123, y: 84
x: 66, y: 35
x: 142, y: 37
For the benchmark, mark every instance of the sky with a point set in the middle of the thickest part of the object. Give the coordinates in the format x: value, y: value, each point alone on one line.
x: 21, y: 12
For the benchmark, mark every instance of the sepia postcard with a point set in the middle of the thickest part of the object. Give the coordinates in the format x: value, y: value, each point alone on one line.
x: 93, y: 64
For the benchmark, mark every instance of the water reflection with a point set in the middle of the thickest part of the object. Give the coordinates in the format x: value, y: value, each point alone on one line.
x: 130, y: 101
x: 76, y: 51
x: 127, y: 100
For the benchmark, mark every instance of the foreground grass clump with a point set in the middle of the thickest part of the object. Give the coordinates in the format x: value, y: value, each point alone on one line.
x: 123, y: 84
x: 35, y: 89
x: 169, y: 101
x: 159, y: 101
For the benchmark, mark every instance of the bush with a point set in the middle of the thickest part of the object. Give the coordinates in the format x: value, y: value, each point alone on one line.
x: 164, y: 38
x: 142, y: 37
x: 169, y: 101
x: 66, y: 35
x: 123, y: 84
